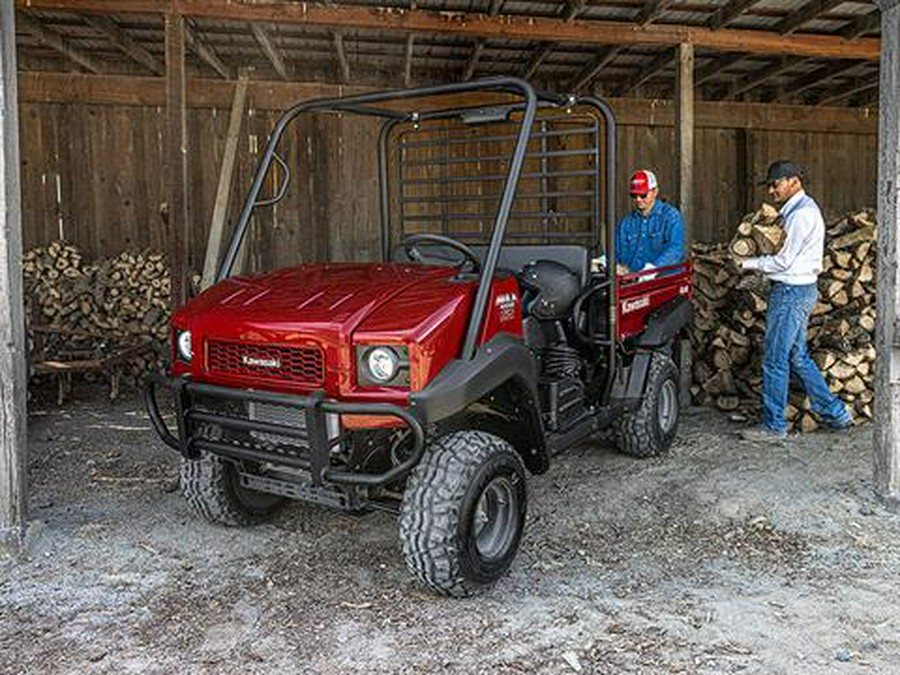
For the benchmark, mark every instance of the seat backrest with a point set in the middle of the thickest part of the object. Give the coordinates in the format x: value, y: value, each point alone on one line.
x: 514, y: 258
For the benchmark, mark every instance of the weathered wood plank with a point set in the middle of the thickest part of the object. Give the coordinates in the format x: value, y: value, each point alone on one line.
x: 887, y: 331
x: 226, y: 180
x: 140, y: 91
x: 176, y: 156
x: 13, y: 482
x: 684, y: 133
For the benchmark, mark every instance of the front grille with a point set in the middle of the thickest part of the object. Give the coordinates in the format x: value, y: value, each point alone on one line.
x: 287, y: 416
x: 304, y: 365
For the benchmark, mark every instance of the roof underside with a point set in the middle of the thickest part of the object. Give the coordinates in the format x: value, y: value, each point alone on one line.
x: 116, y: 38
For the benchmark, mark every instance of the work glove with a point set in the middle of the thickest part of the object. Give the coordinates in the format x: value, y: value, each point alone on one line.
x: 647, y: 277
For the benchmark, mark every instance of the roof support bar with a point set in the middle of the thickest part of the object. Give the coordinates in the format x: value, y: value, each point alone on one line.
x: 265, y: 42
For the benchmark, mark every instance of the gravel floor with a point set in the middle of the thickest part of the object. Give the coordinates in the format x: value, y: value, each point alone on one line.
x: 722, y: 557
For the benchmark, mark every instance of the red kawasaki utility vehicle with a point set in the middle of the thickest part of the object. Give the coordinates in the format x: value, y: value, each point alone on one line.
x: 489, y: 337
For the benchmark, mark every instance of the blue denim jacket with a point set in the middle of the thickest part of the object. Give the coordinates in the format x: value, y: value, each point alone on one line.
x: 657, y: 239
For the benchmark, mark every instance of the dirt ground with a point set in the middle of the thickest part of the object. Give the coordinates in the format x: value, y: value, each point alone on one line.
x: 722, y: 557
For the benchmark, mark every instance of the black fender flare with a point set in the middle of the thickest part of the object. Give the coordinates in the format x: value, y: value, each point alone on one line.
x: 666, y: 322
x: 504, y: 363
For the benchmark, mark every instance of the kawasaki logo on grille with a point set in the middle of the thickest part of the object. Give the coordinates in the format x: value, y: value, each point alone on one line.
x: 260, y: 362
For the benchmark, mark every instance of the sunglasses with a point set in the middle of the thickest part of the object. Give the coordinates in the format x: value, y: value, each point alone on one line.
x: 644, y: 196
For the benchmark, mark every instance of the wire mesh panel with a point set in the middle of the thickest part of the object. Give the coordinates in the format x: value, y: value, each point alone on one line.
x: 450, y: 176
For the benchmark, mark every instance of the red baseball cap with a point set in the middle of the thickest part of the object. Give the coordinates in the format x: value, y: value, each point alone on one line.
x: 642, y: 182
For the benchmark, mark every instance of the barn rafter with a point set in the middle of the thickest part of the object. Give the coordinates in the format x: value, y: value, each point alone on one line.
x: 586, y: 46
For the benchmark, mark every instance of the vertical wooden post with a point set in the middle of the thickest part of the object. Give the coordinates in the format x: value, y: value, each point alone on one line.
x: 13, y: 382
x: 887, y: 332
x: 176, y: 156
x: 684, y: 131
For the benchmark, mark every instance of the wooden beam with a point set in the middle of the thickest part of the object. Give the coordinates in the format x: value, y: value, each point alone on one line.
x: 684, y: 134
x: 537, y: 58
x: 804, y: 14
x: 68, y: 88
x: 766, y: 73
x: 337, y: 39
x: 862, y: 84
x: 407, y: 63
x: 114, y: 33
x: 100, y: 6
x: 471, y: 64
x: 508, y: 27
x: 725, y: 15
x: 265, y: 43
x: 816, y: 78
x: 13, y: 377
x: 56, y: 41
x: 226, y: 180
x: 586, y: 76
x: 176, y: 157
x: 200, y: 48
x: 887, y: 331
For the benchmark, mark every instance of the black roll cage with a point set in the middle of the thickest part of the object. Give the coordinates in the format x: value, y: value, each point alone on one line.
x: 362, y: 104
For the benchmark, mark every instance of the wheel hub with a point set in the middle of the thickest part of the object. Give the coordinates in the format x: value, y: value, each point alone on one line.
x: 668, y: 406
x: 496, y: 517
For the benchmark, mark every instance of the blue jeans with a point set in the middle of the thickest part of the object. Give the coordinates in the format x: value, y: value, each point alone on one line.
x: 785, y: 351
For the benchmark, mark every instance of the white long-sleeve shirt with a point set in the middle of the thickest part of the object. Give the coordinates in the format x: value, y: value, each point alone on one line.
x: 800, y: 259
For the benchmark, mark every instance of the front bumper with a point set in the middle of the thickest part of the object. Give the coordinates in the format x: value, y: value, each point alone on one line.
x: 313, y: 450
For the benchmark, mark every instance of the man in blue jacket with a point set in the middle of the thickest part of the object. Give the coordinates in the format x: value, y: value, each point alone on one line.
x: 651, y: 235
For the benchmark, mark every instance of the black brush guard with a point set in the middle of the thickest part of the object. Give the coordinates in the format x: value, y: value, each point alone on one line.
x: 317, y: 461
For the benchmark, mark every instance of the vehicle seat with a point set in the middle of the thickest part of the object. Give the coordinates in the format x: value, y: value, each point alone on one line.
x: 515, y: 257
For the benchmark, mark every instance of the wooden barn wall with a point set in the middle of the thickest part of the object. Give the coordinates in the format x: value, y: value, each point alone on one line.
x: 92, y: 174
x: 728, y: 162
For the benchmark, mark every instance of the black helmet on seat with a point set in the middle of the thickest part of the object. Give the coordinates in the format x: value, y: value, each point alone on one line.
x: 551, y: 288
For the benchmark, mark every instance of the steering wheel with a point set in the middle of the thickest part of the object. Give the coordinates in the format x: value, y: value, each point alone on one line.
x: 412, y: 243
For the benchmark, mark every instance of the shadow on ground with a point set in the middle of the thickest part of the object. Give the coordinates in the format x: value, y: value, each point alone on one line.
x: 722, y: 557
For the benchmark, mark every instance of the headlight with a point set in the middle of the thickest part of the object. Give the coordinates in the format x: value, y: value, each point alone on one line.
x: 183, y: 345
x: 379, y: 365
x: 382, y: 363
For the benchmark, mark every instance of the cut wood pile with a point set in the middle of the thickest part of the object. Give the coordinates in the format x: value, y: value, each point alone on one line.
x: 730, y: 310
x: 122, y: 301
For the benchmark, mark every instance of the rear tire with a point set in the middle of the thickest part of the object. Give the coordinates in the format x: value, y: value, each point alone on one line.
x: 463, y: 513
x: 212, y: 486
x: 650, y: 430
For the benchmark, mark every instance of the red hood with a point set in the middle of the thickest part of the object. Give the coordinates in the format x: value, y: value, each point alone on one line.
x: 322, y: 307
x: 316, y: 299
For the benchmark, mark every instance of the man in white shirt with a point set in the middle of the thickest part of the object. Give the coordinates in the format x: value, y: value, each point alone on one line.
x: 793, y: 273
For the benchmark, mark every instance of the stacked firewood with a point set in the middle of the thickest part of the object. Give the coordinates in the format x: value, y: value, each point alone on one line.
x: 124, y: 299
x: 730, y: 308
